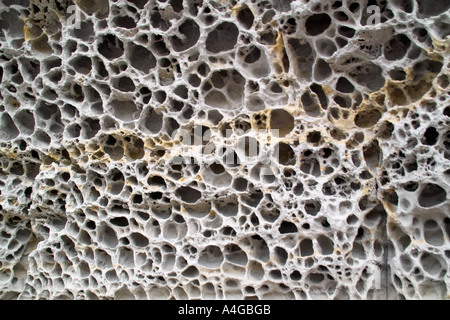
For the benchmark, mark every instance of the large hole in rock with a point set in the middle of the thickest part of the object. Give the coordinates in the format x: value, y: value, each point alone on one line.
x: 234, y: 254
x: 8, y: 129
x: 107, y: 236
x: 287, y: 227
x: 200, y: 209
x: 98, y: 7
x: 157, y: 181
x: 151, y: 121
x: 325, y: 47
x: 25, y: 121
x: 177, y: 5
x: 367, y: 118
x: 139, y: 3
x: 245, y: 17
x: 282, y: 121
x: 310, y: 105
x: 369, y: 75
x: 91, y: 127
x: 216, y: 175
x: 310, y: 166
x: 256, y: 271
x: 211, y: 257
x: 404, y: 5
x: 344, y: 86
x: 431, y: 195
x: 317, y: 24
x: 285, y: 154
x: 217, y: 99
x: 134, y: 148
x: 138, y: 239
x: 126, y: 257
x: 306, y: 247
x: 124, y: 84
x: 322, y: 70
x: 421, y: 68
x: 431, y: 136
x: 318, y: 90
x: 431, y: 263
x: 433, y: 233
x: 270, y: 214
x: 11, y: 22
x: 125, y: 22
x: 253, y: 55
x: 314, y: 137
x: 259, y: 248
x: 85, y: 32
x: 119, y: 221
x: 326, y: 245
x: 31, y: 68
x: 302, y: 50
x: 110, y: 47
x: 397, y: 47
x: 232, y: 85
x: 141, y: 58
x: 435, y: 8
x: 385, y: 130
x: 189, y: 32
x: 222, y: 38
x: 397, y: 74
x: 312, y: 207
x: 188, y: 194
x: 372, y: 154
x: 124, y: 110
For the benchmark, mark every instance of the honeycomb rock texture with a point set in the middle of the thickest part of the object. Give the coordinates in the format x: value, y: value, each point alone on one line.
x: 209, y: 149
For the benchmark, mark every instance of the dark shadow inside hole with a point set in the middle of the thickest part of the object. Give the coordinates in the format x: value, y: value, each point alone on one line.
x: 287, y: 227
x: 431, y: 195
x: 188, y: 194
x: 110, y: 47
x: 312, y: 207
x: 245, y: 17
x: 317, y: 24
x: 431, y: 136
x: 124, y: 22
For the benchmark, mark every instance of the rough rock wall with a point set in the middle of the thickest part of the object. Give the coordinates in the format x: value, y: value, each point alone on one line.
x: 224, y: 149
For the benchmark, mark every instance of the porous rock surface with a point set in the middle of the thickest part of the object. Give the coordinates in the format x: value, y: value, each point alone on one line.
x: 213, y: 149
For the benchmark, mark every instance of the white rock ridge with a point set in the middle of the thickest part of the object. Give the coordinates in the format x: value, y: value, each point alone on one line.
x: 224, y: 149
